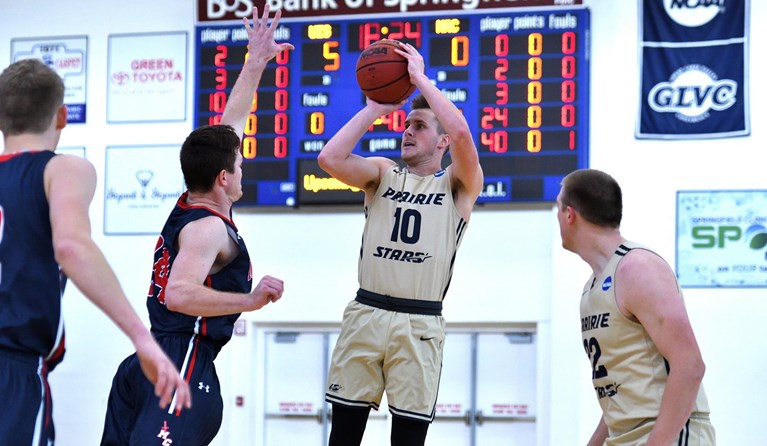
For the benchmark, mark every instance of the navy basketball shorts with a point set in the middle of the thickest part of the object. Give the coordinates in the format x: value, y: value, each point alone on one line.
x: 27, y: 408
x: 134, y: 416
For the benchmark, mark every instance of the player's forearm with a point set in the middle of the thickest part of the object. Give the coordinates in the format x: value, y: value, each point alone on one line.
x: 199, y: 300
x: 444, y: 109
x: 678, y: 400
x: 241, y: 98
x: 600, y: 434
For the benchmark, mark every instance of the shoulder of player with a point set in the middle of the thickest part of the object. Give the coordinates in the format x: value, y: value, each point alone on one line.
x: 67, y: 177
x: 640, y: 263
x: 640, y: 275
x: 211, y: 228
x: 63, y: 164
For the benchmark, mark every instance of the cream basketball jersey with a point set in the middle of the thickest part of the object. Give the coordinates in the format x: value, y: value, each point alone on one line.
x: 412, y: 233
x: 628, y: 372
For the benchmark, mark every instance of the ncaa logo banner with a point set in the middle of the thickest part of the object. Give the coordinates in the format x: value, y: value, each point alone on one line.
x: 721, y: 239
x: 693, y: 65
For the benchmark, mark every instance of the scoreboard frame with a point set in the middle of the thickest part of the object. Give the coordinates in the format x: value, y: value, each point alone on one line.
x: 521, y: 79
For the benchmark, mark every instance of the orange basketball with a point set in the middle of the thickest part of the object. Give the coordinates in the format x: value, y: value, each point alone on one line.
x: 382, y: 74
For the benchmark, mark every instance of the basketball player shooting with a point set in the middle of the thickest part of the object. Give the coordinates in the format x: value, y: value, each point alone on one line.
x: 416, y: 216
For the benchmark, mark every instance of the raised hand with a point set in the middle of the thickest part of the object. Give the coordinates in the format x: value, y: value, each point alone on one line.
x: 261, y: 44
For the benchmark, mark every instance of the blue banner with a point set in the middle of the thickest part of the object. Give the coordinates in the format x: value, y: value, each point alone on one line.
x: 694, y: 65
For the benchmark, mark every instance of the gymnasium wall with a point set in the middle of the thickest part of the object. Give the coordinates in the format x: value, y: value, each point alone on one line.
x: 511, y: 268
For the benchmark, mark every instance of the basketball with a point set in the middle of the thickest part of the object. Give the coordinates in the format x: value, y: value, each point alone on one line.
x: 382, y: 74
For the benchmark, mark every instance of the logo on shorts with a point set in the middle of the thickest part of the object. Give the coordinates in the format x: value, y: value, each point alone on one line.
x: 165, y: 434
x: 424, y: 338
x: 334, y: 388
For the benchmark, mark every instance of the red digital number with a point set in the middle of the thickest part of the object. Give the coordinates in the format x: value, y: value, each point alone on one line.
x: 283, y: 57
x: 501, y: 69
x: 490, y: 114
x: 406, y: 30
x: 501, y: 45
x: 280, y: 147
x: 568, y: 42
x: 281, y: 100
x: 220, y: 57
x: 281, y: 123
x: 497, y: 142
x: 568, y: 67
x: 281, y: 77
x: 502, y: 93
x: 220, y: 79
x: 568, y: 91
x: 567, y: 115
x: 369, y: 33
x: 394, y: 121
x: 216, y: 102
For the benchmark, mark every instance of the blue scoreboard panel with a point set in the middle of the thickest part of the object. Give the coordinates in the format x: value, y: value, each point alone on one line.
x: 520, y: 78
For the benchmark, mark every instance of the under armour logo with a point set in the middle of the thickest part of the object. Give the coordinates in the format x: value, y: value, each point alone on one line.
x: 203, y: 386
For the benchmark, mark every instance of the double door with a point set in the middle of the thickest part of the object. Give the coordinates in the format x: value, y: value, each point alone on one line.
x: 487, y: 395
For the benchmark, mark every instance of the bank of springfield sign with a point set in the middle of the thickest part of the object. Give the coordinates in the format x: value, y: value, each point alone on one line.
x: 225, y: 10
x: 722, y: 238
x: 694, y: 69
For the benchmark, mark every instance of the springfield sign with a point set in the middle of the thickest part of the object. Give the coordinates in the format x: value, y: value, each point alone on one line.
x: 722, y: 239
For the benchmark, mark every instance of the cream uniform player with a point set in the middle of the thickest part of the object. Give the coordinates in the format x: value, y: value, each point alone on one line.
x: 392, y: 333
x: 628, y: 372
x: 412, y: 233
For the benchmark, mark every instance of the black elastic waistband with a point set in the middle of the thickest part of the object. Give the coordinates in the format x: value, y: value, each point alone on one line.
x: 398, y: 304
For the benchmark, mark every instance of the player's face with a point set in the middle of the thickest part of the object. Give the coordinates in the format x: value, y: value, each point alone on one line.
x: 234, y: 189
x: 562, y: 213
x: 421, y: 136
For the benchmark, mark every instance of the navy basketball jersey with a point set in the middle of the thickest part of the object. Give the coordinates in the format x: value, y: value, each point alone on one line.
x: 30, y: 293
x: 235, y: 277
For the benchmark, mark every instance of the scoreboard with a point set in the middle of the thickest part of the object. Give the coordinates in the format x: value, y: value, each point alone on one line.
x: 521, y: 80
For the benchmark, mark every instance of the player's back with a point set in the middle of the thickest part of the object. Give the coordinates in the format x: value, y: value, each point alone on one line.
x: 30, y: 293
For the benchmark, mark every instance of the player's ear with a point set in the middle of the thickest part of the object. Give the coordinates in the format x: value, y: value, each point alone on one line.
x: 444, y: 141
x: 61, y: 117
x: 222, y: 177
x: 570, y: 214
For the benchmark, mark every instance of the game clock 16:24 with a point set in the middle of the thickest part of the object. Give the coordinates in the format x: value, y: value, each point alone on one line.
x: 521, y: 79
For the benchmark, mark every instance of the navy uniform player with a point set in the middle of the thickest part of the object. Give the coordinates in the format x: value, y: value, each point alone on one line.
x: 44, y: 235
x: 202, y: 279
x: 392, y: 333
x: 647, y: 368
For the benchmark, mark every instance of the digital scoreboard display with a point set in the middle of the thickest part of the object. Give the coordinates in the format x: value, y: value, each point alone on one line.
x: 521, y: 80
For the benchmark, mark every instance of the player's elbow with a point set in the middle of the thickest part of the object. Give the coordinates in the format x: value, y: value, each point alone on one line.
x: 698, y: 369
x: 68, y: 251
x: 327, y: 161
x: 174, y: 297
x: 322, y: 160
x: 693, y: 369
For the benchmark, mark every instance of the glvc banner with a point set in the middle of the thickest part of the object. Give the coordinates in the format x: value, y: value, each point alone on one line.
x: 722, y: 238
x: 693, y: 69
